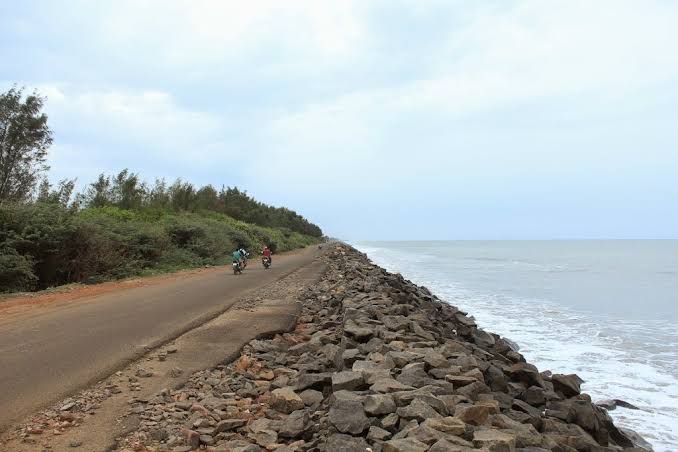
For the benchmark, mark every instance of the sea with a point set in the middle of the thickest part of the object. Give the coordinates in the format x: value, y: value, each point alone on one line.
x: 606, y: 310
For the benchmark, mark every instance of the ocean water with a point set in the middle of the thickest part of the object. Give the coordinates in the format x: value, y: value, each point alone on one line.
x: 605, y: 310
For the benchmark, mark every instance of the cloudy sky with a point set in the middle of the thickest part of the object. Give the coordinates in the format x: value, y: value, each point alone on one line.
x: 385, y: 119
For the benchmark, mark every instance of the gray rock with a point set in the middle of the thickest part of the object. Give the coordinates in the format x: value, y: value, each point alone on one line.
x: 386, y: 385
x: 414, y: 374
x: 404, y: 445
x: 312, y: 380
x: 228, y: 425
x: 348, y: 380
x: 418, y: 410
x: 378, y: 434
x: 345, y: 443
x: 360, y: 333
x: 569, y: 385
x: 293, y: 426
x: 311, y: 397
x: 348, y: 416
x: 534, y: 395
x: 379, y: 404
x: 286, y: 400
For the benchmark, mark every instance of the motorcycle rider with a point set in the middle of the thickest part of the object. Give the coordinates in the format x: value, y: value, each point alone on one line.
x: 267, y: 254
x: 237, y: 257
x: 243, y: 254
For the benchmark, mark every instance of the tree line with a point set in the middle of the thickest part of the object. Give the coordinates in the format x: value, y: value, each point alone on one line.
x: 25, y: 139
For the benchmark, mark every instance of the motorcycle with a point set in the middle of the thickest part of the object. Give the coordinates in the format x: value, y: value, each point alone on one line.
x: 237, y: 268
x: 266, y: 262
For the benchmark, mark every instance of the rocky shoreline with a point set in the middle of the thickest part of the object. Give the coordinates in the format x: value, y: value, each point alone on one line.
x: 376, y: 363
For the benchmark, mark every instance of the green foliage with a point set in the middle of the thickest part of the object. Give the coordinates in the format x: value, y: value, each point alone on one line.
x: 46, y: 244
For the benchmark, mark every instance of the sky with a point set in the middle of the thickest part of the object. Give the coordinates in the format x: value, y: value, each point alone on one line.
x: 384, y: 119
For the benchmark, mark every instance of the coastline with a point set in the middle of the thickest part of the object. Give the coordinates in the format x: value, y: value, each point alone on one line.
x: 376, y: 363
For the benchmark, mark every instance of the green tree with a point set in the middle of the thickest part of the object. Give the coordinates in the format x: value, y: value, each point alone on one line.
x: 24, y: 141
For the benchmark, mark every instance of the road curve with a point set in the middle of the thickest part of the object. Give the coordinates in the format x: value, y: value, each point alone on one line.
x: 52, y: 351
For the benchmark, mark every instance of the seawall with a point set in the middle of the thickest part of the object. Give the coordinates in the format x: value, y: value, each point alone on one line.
x: 377, y: 363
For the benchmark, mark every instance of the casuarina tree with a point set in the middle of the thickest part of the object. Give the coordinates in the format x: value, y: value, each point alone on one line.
x: 24, y: 141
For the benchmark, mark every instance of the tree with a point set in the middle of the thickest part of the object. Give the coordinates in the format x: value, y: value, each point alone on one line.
x: 24, y: 141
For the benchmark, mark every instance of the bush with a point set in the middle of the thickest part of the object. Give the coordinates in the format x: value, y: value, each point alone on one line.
x: 43, y: 245
x: 16, y: 273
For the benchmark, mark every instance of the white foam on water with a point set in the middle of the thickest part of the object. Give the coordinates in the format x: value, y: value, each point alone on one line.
x: 632, y: 360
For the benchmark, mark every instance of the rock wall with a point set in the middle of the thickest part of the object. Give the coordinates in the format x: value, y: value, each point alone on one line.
x: 377, y: 363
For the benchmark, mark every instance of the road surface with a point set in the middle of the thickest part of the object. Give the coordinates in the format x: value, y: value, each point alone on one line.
x: 50, y: 351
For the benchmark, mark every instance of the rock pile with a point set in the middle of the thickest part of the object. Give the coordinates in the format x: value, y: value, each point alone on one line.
x: 376, y: 363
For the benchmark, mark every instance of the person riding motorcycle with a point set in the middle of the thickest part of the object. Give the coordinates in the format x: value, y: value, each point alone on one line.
x: 243, y: 256
x: 267, y: 254
x: 237, y: 257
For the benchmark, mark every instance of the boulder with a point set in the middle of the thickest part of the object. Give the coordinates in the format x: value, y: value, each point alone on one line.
x: 534, y: 395
x: 404, y: 445
x: 473, y: 414
x: 418, y: 410
x: 568, y: 385
x: 451, y: 425
x: 294, y: 425
x: 345, y: 443
x: 348, y: 380
x: 286, y: 400
x: 348, y: 416
x: 526, y: 373
x: 379, y: 404
x: 494, y: 440
x: 386, y: 385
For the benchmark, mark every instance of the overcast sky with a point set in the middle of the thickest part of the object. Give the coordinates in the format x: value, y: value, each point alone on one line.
x: 438, y: 119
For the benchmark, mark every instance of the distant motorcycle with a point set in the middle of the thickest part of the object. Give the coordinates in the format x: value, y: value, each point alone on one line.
x: 266, y: 262
x: 237, y: 268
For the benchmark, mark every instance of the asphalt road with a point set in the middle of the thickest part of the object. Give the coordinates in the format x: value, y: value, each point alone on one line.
x: 54, y: 350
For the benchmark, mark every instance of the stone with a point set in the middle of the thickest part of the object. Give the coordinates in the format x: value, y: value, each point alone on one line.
x: 314, y: 381
x: 348, y: 380
x: 360, y: 333
x: 636, y: 440
x: 418, y: 410
x: 386, y: 385
x: 227, y: 425
x: 378, y: 434
x: 293, y: 426
x: 482, y: 338
x: 473, y: 414
x: 286, y: 400
x: 348, y: 416
x: 534, y: 395
x: 526, y: 373
x: 444, y: 445
x: 390, y: 421
x: 494, y: 440
x: 207, y: 440
x: 379, y: 404
x: 345, y: 443
x: 404, y: 445
x: 191, y: 438
x: 414, y: 374
x: 371, y: 371
x: 568, y: 385
x: 311, y: 397
x: 460, y: 380
x: 473, y: 390
x: 144, y: 373
x: 451, y: 425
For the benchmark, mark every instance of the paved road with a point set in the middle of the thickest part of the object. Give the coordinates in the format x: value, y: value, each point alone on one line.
x: 53, y: 351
